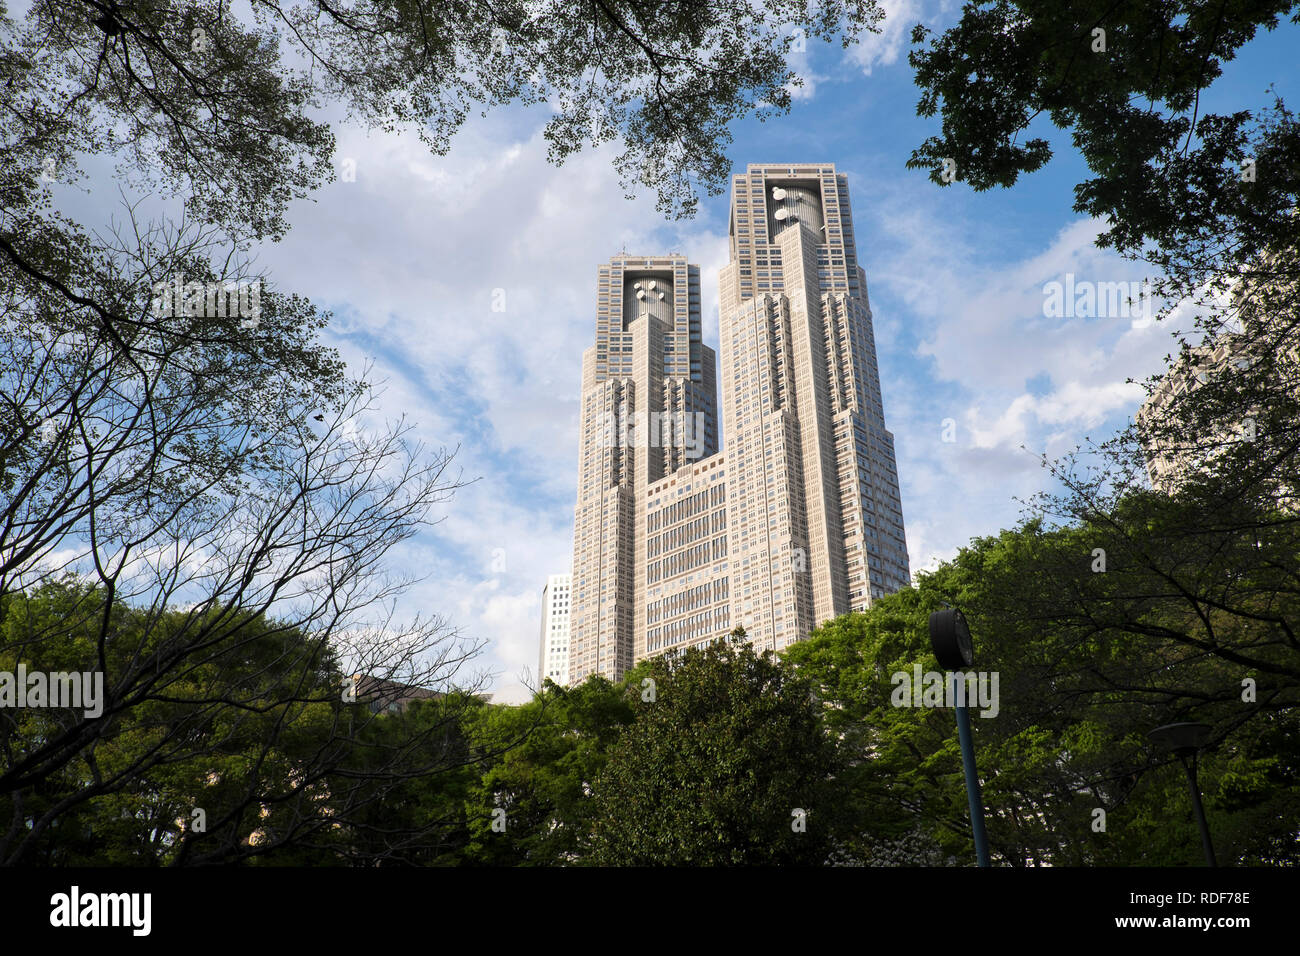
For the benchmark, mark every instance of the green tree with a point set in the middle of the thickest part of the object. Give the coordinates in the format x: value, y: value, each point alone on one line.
x: 401, y: 791
x: 899, y: 787
x: 726, y: 763
x: 235, y: 744
x: 1155, y: 607
x: 1106, y: 628
x: 1125, y: 80
x: 532, y: 804
x: 1088, y: 661
x: 1207, y: 199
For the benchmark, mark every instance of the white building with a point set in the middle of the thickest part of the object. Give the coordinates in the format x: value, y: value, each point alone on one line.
x: 799, y: 518
x: 553, y: 654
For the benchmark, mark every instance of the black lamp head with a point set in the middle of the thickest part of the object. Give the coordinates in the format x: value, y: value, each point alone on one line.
x: 1182, y: 739
x: 951, y: 640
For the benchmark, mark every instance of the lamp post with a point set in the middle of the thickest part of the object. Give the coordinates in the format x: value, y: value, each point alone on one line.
x: 950, y: 638
x: 1185, y: 742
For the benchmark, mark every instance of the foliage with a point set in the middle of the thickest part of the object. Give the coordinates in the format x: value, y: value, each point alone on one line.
x: 1088, y: 661
x: 1165, y: 172
x: 247, y: 726
x: 1115, y: 608
x: 216, y: 100
x: 726, y: 763
x: 532, y: 803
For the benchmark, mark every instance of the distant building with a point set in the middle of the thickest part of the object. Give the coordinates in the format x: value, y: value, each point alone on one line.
x: 1170, y: 459
x: 553, y: 650
x: 1174, y: 453
x: 387, y: 695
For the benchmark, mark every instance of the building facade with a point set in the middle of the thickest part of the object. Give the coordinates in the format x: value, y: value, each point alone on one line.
x: 553, y: 655
x: 649, y: 406
x: 1174, y: 449
x: 1168, y: 459
x: 800, y: 519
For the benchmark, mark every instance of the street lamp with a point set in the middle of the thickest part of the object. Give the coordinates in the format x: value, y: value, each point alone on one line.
x: 951, y: 641
x: 1185, y: 741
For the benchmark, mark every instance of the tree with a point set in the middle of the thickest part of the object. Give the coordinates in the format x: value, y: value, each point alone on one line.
x: 1128, y: 620
x: 1125, y: 80
x: 188, y: 86
x: 532, y: 804
x: 1209, y: 200
x: 899, y: 789
x: 173, y: 434
x: 1182, y: 603
x: 1077, y: 692
x: 206, y: 477
x: 725, y: 763
x: 402, y: 790
x: 249, y: 750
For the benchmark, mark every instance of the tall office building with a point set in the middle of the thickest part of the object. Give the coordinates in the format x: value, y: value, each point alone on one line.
x: 800, y: 519
x: 649, y: 406
x: 553, y: 654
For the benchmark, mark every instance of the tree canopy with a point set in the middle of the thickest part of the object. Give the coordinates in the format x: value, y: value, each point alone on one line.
x: 724, y: 763
x: 1088, y: 661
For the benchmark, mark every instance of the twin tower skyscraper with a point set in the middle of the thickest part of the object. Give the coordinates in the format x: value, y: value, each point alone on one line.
x: 799, y: 519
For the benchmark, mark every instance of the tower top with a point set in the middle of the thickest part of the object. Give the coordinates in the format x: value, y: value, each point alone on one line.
x: 790, y: 169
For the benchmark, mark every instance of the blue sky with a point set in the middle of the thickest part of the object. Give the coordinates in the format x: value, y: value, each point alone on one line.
x: 409, y: 255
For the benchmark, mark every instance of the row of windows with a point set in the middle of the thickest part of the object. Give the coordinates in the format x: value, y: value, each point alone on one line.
x: 687, y: 559
x: 688, y: 600
x: 686, y: 508
x: 685, y: 534
x: 697, y: 625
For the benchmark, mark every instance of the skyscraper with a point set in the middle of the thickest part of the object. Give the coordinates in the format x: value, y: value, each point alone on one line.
x: 649, y: 405
x: 800, y: 519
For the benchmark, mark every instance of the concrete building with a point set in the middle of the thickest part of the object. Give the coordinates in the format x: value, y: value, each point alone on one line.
x: 553, y: 651
x: 386, y: 695
x: 800, y: 519
x: 1169, y: 459
x: 648, y: 407
x: 1173, y: 451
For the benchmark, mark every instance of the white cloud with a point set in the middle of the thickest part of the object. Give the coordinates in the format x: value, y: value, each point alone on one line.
x: 961, y: 334
x: 884, y: 48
